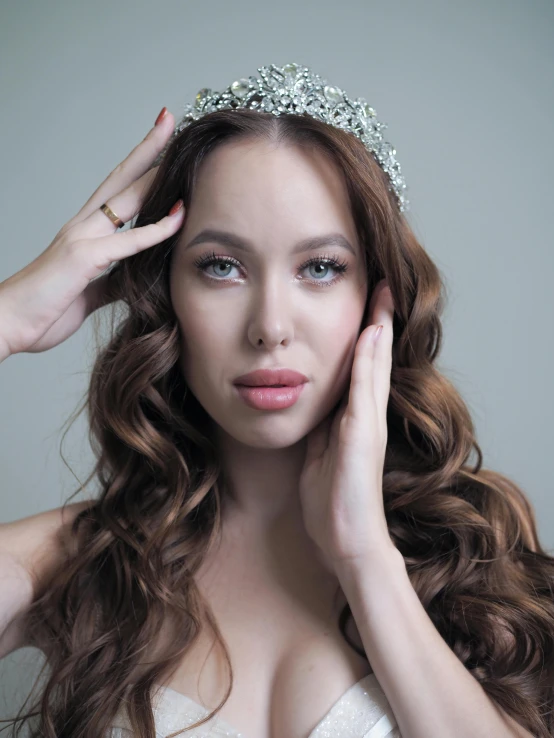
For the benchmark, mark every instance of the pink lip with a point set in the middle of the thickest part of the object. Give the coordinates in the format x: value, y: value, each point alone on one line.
x: 270, y: 398
x: 267, y: 377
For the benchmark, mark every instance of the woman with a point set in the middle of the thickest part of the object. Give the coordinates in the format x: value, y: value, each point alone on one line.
x: 359, y: 575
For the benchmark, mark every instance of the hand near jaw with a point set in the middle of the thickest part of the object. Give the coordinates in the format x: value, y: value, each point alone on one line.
x: 341, y: 484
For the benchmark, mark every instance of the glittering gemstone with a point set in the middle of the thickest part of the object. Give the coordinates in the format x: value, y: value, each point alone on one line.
x: 333, y: 94
x: 201, y: 95
x: 290, y: 70
x: 267, y: 104
x: 240, y: 87
x: 366, y: 110
x: 301, y: 87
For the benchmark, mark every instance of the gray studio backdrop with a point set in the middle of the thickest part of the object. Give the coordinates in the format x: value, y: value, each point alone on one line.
x: 466, y: 91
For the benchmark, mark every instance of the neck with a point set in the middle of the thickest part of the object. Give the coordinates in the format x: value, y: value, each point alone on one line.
x: 261, y: 484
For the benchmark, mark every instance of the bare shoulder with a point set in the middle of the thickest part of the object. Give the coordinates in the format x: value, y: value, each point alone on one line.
x: 33, y: 539
x: 30, y: 553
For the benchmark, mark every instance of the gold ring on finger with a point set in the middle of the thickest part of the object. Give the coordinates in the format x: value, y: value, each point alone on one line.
x: 112, y: 216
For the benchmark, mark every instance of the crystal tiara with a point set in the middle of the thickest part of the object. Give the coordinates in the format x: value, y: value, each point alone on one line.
x: 294, y: 88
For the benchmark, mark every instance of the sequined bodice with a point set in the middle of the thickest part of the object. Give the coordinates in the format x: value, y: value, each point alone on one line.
x: 363, y: 711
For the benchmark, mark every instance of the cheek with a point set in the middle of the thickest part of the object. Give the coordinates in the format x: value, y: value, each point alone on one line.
x: 204, y: 334
x: 343, y: 326
x: 205, y: 337
x: 342, y: 319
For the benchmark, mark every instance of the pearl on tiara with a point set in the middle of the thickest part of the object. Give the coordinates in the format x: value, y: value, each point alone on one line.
x: 296, y: 89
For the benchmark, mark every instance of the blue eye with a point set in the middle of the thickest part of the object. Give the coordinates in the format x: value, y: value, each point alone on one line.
x: 340, y: 267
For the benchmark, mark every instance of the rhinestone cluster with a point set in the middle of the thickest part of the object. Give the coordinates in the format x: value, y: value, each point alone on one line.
x: 296, y: 89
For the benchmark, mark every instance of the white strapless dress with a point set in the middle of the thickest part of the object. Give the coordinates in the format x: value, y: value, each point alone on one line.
x: 363, y: 711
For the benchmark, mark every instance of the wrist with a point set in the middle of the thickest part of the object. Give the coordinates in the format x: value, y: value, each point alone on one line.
x: 382, y: 557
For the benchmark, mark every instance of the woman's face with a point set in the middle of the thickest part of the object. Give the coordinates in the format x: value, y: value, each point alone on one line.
x: 265, y: 307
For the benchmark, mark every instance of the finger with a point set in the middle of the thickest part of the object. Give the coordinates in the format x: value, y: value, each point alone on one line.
x: 125, y: 204
x: 335, y: 426
x: 382, y: 360
x: 361, y: 400
x: 135, y: 170
x: 101, y: 252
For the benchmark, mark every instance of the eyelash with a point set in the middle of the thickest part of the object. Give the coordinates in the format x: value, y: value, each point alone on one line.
x: 333, y: 261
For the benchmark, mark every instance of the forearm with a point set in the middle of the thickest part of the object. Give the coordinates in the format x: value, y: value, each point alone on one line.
x: 430, y: 691
x: 4, y: 351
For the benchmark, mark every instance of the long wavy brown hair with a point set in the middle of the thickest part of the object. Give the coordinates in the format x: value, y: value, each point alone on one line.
x: 467, y: 534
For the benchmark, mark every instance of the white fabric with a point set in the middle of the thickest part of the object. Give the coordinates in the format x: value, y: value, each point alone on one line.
x: 363, y: 711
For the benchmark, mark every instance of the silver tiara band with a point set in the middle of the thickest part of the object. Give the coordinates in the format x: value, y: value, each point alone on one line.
x: 296, y: 89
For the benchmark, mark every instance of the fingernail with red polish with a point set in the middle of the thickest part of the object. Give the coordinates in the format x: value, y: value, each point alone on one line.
x: 175, y: 209
x: 161, y: 116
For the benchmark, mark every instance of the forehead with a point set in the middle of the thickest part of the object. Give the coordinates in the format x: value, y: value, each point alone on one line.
x: 260, y: 181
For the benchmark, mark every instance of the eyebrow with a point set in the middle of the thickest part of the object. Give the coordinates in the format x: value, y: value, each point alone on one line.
x: 226, y: 238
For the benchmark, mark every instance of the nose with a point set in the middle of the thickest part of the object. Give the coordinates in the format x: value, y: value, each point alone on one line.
x: 271, y: 321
